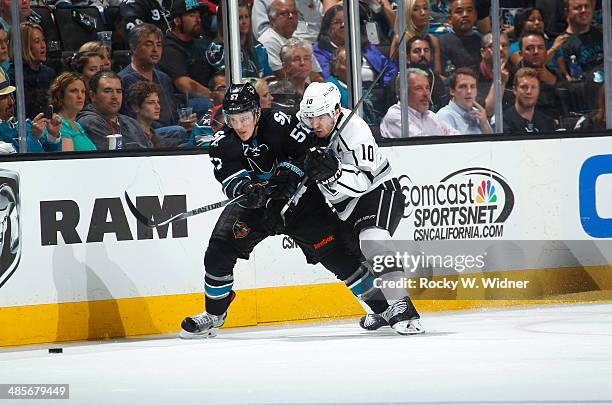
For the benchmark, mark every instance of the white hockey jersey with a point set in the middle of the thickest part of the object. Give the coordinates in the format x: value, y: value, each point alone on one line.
x: 364, y: 167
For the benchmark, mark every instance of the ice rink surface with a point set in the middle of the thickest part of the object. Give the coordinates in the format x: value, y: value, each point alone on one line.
x: 537, y: 355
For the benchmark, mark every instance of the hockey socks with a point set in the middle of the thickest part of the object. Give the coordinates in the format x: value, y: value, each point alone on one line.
x: 218, y: 291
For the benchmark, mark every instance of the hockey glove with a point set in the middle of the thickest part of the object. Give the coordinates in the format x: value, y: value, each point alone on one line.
x: 272, y: 220
x: 286, y: 179
x: 321, y: 166
x: 256, y: 194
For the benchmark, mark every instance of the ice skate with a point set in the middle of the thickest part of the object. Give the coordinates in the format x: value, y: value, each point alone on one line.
x: 201, y: 326
x: 403, y: 317
x: 372, y: 322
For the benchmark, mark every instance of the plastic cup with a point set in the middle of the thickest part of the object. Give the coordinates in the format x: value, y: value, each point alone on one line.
x: 106, y: 37
x: 184, y: 114
x: 54, y: 46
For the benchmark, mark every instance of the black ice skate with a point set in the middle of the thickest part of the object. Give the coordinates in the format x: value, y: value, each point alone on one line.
x: 403, y: 317
x: 372, y: 322
x: 201, y: 326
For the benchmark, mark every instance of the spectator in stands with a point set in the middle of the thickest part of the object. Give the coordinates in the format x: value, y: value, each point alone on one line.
x: 25, y: 14
x: 218, y: 86
x: 253, y: 54
x: 68, y: 95
x: 183, y: 57
x: 338, y: 74
x: 553, y: 12
x: 143, y: 100
x: 460, y: 48
x: 508, y: 9
x: 99, y: 48
x: 463, y: 113
x: 265, y: 97
x: 37, y: 76
x: 486, y: 90
x: 309, y: 15
x: 338, y: 77
x: 417, y: 24
x: 332, y: 37
x: 296, y: 56
x: 5, y: 59
x: 420, y: 56
x: 585, y: 42
x: 42, y: 134
x: 533, y: 51
x: 101, y: 118
x: 421, y: 121
x: 283, y: 22
x: 146, y: 45
x: 134, y: 12
x: 595, y: 121
x: 531, y: 19
x: 86, y: 64
x: 523, y: 116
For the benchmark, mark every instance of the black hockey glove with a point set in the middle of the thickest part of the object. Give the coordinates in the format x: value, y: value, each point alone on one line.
x: 286, y: 179
x: 256, y: 194
x: 321, y: 166
x: 272, y: 220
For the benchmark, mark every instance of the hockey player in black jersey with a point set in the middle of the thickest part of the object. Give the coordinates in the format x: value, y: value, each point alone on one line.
x: 254, y: 155
x: 355, y: 177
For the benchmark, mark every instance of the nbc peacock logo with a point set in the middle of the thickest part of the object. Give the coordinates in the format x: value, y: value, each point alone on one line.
x: 486, y: 193
x: 471, y: 203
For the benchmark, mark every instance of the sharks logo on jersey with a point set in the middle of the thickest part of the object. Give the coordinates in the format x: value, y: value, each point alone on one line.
x: 260, y: 160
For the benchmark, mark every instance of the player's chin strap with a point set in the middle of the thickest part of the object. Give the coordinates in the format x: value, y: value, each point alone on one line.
x: 300, y: 189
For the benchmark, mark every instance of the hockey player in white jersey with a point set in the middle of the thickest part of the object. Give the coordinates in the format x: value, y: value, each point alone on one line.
x: 355, y: 177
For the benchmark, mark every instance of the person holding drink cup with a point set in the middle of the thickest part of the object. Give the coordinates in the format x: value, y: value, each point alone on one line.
x: 101, y: 119
x: 143, y: 99
x: 187, y: 118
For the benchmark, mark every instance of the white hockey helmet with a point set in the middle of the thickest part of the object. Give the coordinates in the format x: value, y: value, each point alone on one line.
x: 319, y: 99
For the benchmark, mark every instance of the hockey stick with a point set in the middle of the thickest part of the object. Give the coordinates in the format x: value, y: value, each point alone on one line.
x: 149, y: 223
x: 337, y: 133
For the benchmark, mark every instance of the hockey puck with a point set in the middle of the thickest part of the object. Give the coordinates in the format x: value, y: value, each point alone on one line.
x: 56, y: 350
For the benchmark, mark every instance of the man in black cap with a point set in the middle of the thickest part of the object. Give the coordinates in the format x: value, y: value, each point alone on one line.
x: 183, y: 57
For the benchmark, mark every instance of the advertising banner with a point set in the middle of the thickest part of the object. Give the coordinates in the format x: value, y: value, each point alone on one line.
x: 67, y: 235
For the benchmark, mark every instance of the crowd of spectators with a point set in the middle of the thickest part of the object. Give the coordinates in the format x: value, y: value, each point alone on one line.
x: 157, y: 73
x: 551, y: 55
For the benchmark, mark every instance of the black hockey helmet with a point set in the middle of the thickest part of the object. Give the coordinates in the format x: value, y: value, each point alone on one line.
x: 240, y: 98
